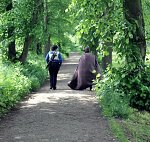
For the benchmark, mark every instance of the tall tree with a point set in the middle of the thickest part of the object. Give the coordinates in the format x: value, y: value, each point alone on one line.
x: 134, y: 16
x: 10, y: 30
x: 29, y: 35
x: 95, y: 26
x: 46, y: 32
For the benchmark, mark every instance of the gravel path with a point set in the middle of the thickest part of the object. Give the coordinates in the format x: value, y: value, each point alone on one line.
x: 61, y: 115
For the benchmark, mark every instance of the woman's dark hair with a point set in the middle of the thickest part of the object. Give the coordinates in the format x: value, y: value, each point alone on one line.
x: 54, y: 47
x: 86, y: 49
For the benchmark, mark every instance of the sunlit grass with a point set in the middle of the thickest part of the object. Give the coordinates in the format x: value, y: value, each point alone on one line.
x: 134, y: 129
x: 118, y: 131
x: 137, y: 127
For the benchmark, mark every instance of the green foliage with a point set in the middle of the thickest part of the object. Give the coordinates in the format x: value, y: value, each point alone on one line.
x: 137, y: 85
x: 118, y: 131
x: 13, y: 86
x: 35, y: 83
x: 34, y: 69
x: 146, y: 12
x: 97, y: 22
x: 123, y: 87
x: 28, y: 17
x: 103, y: 22
x: 136, y: 127
x: 113, y: 100
x: 19, y: 80
x: 59, y: 25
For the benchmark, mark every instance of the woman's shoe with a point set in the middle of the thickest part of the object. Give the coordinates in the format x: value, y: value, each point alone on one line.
x: 54, y: 88
x: 90, y: 88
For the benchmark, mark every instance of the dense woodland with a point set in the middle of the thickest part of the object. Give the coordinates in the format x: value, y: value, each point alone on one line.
x: 117, y: 31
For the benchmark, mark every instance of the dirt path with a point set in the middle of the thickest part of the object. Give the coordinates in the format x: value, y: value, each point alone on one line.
x: 62, y: 115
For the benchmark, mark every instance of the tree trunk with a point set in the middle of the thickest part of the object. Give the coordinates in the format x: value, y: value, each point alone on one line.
x: 107, y: 59
x: 29, y: 37
x: 11, y: 44
x: 107, y: 46
x: 24, y: 54
x: 47, y: 35
x: 134, y: 15
x: 47, y: 46
x: 38, y: 48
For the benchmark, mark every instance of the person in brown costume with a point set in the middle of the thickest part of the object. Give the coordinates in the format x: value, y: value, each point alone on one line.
x: 83, y: 76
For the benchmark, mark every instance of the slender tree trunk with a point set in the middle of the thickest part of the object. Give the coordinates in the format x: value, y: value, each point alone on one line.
x: 11, y: 44
x: 47, y: 46
x: 29, y: 37
x: 24, y: 54
x: 38, y: 48
x: 134, y: 15
x: 47, y: 35
x: 107, y: 46
x: 107, y: 59
x: 38, y: 45
x: 37, y: 16
x: 95, y: 41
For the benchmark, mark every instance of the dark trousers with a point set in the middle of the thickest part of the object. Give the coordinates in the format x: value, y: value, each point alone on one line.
x: 53, y: 71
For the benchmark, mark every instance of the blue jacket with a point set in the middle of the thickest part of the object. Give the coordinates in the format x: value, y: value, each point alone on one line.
x: 58, y: 58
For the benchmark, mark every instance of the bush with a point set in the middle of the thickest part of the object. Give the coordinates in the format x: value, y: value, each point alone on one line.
x: 35, y: 83
x: 122, y: 88
x: 13, y: 86
x: 17, y: 80
x: 36, y: 74
x: 135, y: 83
x: 138, y: 88
x: 113, y: 101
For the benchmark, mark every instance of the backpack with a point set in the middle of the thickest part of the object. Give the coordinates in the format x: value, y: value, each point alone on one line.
x: 53, y: 56
x: 51, y: 60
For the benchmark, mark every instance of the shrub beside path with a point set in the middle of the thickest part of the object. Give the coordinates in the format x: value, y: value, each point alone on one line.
x: 61, y: 115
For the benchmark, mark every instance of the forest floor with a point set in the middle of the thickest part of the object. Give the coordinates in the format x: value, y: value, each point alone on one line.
x: 61, y: 115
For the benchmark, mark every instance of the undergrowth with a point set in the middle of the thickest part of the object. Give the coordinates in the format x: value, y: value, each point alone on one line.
x: 17, y: 80
x: 124, y: 96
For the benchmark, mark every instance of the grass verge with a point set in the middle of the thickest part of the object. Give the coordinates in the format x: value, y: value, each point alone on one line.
x: 117, y: 130
x: 134, y: 129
